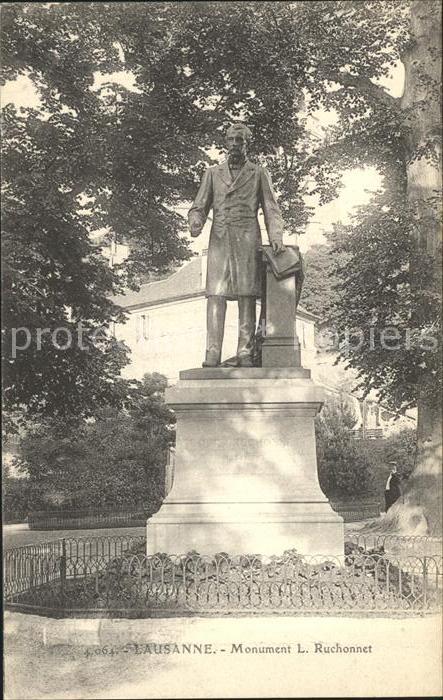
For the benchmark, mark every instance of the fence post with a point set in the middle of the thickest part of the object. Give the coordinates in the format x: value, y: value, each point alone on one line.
x: 63, y: 567
x: 425, y: 583
x: 31, y: 574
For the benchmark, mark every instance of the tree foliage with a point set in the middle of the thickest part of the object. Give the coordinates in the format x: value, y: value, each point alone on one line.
x: 123, y: 158
x: 319, y: 294
x: 389, y: 328
x: 118, y: 459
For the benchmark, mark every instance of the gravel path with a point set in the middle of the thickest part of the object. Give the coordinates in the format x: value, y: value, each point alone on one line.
x: 60, y: 659
x: 19, y: 535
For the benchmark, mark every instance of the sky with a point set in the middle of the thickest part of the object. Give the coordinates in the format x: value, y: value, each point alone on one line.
x: 358, y: 184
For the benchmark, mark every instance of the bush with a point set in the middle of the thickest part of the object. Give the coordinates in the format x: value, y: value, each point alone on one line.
x: 116, y: 460
x: 343, y: 468
x: 15, y: 499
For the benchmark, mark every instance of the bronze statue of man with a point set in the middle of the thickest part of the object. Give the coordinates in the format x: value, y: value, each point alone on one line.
x: 235, y: 190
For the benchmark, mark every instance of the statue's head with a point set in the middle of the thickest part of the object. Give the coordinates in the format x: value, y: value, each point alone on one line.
x: 237, y: 139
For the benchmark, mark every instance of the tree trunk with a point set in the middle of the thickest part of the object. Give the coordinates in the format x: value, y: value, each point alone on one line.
x: 420, y: 509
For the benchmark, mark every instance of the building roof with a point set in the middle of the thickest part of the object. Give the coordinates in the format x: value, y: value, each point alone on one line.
x: 186, y: 282
x: 182, y: 284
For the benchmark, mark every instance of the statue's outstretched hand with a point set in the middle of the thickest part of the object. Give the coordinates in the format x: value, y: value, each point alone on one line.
x: 277, y: 247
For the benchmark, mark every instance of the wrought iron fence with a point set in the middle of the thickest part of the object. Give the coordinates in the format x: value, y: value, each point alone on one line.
x: 117, y: 578
x: 398, y: 545
x: 92, y: 517
x: 31, y: 566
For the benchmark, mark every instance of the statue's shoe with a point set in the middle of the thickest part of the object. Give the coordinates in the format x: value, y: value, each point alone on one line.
x: 212, y: 360
x: 230, y: 362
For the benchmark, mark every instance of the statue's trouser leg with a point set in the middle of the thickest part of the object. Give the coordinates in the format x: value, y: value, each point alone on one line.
x: 215, y: 324
x: 246, y: 329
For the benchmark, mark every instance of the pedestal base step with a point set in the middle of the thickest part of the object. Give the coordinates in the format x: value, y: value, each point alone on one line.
x: 269, y: 529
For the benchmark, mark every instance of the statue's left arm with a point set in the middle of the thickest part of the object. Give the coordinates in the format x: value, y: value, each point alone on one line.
x: 273, y: 218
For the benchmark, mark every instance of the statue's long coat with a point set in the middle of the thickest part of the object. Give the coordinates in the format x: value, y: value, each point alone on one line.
x: 233, y: 255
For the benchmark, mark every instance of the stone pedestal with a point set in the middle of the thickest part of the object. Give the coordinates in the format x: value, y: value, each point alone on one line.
x: 245, y: 477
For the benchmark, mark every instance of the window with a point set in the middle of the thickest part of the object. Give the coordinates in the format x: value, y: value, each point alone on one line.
x: 142, y: 328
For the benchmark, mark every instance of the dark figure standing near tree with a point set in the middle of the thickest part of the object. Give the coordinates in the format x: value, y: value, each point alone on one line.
x: 393, y: 489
